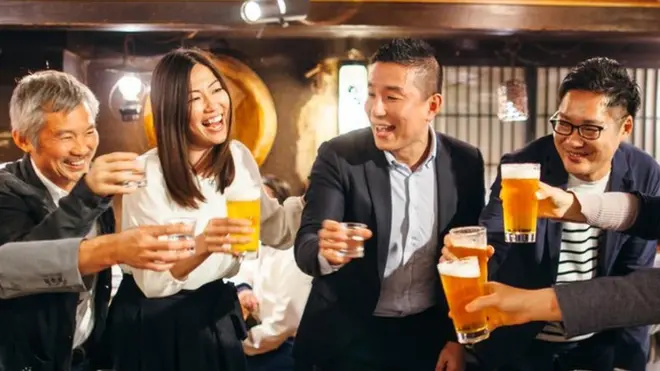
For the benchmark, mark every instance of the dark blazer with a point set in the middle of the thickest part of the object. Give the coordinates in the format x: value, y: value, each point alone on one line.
x: 632, y: 300
x: 535, y: 265
x: 37, y: 330
x: 350, y: 182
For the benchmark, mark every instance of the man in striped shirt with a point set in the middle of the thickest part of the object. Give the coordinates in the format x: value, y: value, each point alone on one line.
x: 586, y: 153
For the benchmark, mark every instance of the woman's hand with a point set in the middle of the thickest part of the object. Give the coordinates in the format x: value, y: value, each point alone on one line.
x: 221, y: 233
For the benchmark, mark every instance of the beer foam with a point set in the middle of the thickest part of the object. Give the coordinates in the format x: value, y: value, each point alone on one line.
x: 521, y: 171
x: 243, y: 193
x: 463, y: 268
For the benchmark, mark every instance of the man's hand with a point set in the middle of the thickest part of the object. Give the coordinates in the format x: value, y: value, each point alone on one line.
x: 332, y: 239
x: 109, y: 174
x: 141, y: 248
x: 248, y: 301
x: 452, y: 358
x: 508, y: 305
x: 555, y: 203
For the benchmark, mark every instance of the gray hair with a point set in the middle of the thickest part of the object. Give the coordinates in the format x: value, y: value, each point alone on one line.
x: 47, y: 92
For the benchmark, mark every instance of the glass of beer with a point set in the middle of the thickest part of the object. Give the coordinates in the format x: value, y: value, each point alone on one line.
x: 188, y: 221
x: 355, y: 240
x: 520, y: 182
x: 246, y: 204
x: 462, y: 283
x: 471, y: 241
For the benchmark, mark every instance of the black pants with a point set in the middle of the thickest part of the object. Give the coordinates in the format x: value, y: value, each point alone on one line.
x: 410, y: 343
x: 280, y: 359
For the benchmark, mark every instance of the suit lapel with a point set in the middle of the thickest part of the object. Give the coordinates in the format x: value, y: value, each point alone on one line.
x: 378, y: 183
x: 446, y: 189
x: 554, y: 174
x: 619, y: 182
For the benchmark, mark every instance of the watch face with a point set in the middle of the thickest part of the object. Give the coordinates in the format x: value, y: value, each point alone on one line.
x: 352, y: 97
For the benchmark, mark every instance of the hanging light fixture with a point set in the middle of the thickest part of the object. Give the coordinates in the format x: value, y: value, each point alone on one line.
x: 352, y: 93
x: 512, y: 101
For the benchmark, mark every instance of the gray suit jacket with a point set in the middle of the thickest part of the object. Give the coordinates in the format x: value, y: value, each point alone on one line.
x: 612, y: 302
x: 26, y: 270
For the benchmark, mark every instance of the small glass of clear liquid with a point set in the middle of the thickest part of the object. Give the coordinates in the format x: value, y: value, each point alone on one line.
x: 355, y: 240
x: 189, y: 221
x: 142, y: 163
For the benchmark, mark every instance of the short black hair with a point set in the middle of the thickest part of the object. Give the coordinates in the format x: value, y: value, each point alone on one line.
x: 413, y: 53
x: 604, y: 76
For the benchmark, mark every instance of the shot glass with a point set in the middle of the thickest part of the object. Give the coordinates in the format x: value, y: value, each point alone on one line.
x: 189, y: 221
x: 142, y: 163
x: 355, y: 240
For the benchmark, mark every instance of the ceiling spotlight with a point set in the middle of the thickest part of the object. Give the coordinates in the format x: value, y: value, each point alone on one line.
x: 251, y: 11
x: 274, y: 11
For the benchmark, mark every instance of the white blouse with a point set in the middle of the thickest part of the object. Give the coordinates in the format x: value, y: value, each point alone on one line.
x: 152, y: 205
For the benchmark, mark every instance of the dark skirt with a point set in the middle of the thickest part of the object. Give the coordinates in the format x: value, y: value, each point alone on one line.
x: 199, y: 330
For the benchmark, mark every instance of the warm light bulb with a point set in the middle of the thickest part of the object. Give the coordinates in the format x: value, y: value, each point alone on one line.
x: 130, y: 87
x: 251, y: 11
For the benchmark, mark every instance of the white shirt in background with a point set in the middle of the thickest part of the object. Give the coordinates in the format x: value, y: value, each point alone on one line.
x: 85, y: 308
x: 281, y: 289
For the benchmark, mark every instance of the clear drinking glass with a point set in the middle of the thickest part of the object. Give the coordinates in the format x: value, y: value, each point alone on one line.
x: 189, y: 221
x: 355, y: 240
x: 462, y: 284
x: 471, y: 241
x: 142, y: 163
x: 520, y: 207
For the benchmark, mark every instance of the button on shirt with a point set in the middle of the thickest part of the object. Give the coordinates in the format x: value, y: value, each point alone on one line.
x: 409, y: 280
x: 85, y: 309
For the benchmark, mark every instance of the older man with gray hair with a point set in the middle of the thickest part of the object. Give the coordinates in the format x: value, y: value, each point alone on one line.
x: 52, y: 195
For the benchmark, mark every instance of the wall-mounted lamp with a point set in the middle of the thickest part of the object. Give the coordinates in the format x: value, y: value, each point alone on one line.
x: 352, y: 95
x: 512, y: 101
x: 274, y: 11
x: 131, y: 90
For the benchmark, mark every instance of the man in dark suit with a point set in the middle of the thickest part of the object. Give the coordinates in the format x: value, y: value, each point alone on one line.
x: 50, y: 194
x: 585, y: 154
x: 386, y: 310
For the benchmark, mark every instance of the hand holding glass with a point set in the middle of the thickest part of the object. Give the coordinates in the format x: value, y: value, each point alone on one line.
x: 462, y: 283
x: 354, y: 241
x: 188, y: 221
x: 246, y: 205
x: 141, y: 163
x: 520, y: 182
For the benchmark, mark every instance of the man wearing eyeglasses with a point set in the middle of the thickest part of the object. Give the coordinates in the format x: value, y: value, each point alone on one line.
x: 586, y: 153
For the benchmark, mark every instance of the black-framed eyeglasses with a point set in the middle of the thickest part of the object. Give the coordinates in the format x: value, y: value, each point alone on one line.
x: 563, y: 127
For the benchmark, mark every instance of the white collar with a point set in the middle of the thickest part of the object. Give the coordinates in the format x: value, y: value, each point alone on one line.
x: 55, y: 191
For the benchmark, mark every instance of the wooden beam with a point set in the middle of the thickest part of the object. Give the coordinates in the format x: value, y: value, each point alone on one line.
x: 351, y: 19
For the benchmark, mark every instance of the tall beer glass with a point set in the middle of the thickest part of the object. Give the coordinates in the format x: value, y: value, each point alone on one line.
x: 471, y: 241
x: 246, y: 204
x: 520, y: 182
x: 462, y: 283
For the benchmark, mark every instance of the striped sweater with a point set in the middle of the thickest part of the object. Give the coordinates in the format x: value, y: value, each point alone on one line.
x: 578, y: 256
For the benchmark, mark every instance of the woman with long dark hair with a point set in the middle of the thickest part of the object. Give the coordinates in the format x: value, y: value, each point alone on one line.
x: 188, y: 318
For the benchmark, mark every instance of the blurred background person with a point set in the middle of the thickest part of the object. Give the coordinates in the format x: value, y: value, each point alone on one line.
x: 272, y: 291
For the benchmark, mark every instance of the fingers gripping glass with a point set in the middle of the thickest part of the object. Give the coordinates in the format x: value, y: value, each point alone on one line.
x: 563, y: 127
x: 355, y: 242
x: 188, y: 221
